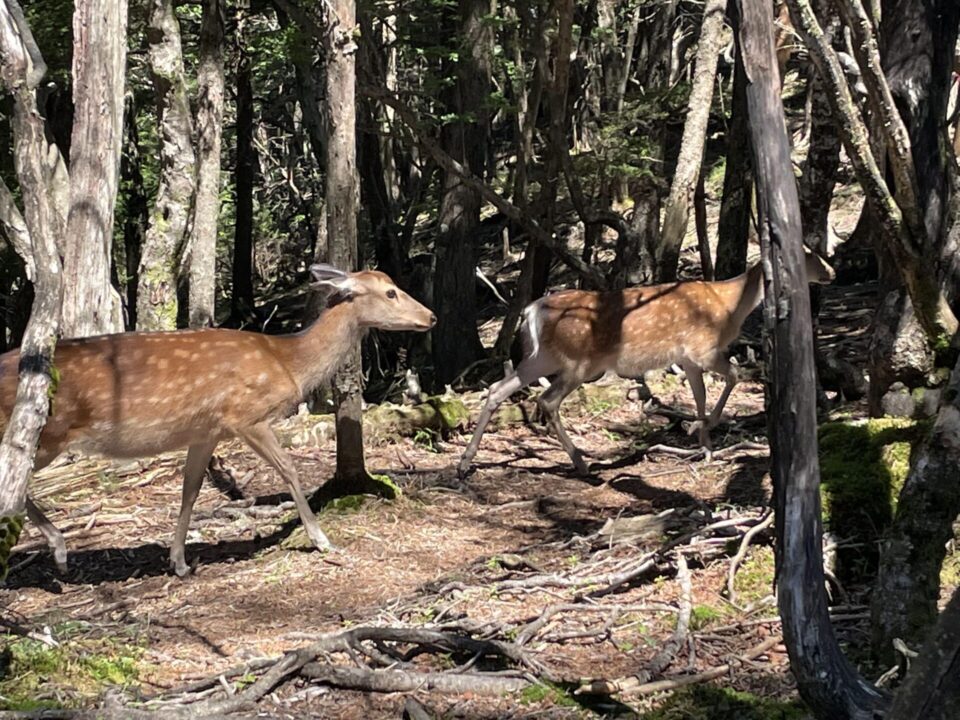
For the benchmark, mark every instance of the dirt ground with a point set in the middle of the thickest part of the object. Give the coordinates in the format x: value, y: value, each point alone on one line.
x: 444, y: 552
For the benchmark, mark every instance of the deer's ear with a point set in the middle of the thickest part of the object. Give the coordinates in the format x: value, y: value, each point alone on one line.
x: 333, y: 279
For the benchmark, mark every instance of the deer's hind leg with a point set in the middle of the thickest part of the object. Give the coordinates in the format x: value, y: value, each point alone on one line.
x: 549, y: 403
x: 50, y: 532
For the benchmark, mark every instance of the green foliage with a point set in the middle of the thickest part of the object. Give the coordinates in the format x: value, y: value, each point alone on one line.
x: 703, y: 616
x: 10, y: 528
x: 708, y: 702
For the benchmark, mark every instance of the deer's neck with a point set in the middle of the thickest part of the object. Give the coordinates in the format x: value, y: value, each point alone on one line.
x: 748, y: 293
x: 313, y: 355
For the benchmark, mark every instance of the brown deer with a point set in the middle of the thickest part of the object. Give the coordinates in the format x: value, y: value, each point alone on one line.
x: 137, y: 394
x: 577, y: 335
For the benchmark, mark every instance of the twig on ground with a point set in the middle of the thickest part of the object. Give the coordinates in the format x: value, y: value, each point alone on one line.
x: 630, y: 685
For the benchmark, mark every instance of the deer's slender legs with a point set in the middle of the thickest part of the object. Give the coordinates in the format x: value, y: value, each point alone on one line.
x: 194, y: 469
x: 51, y: 534
x: 529, y: 371
x: 549, y: 403
x: 263, y: 442
x: 722, y: 366
x: 695, y: 379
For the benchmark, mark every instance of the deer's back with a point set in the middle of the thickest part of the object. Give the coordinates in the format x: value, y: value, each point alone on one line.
x: 135, y: 394
x: 637, y: 329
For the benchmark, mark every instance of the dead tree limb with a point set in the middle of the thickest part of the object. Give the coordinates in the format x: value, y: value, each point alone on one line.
x: 367, y: 680
x: 826, y: 680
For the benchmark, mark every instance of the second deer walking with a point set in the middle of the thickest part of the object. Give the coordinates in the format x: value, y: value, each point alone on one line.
x: 577, y: 335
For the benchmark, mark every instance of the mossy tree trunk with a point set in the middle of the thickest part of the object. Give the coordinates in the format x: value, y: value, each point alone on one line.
x: 908, y: 585
x: 166, y: 232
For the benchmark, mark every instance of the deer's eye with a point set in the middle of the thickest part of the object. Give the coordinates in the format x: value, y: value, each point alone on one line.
x: 392, y: 294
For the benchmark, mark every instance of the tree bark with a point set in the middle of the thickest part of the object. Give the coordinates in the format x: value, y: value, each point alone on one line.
x: 210, y: 91
x: 35, y: 160
x: 907, y: 248
x: 91, y: 305
x: 931, y: 690
x: 733, y: 227
x: 827, y: 682
x: 245, y: 176
x: 456, y: 341
x: 342, y: 200
x: 677, y: 213
x: 136, y: 210
x: 908, y: 584
x: 166, y: 232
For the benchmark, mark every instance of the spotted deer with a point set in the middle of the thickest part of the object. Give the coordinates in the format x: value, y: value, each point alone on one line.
x: 578, y: 335
x: 137, y: 394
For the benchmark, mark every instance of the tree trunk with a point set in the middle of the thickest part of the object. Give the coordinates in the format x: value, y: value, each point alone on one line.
x: 20, y: 73
x: 91, y: 306
x: 907, y: 247
x: 908, y: 585
x: 677, y: 213
x: 733, y: 228
x: 246, y: 172
x: 456, y: 341
x: 210, y: 91
x: 827, y: 682
x: 163, y: 244
x: 343, y: 195
x: 931, y: 690
x: 136, y: 211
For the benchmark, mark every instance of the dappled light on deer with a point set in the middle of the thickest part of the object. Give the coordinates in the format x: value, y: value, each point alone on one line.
x: 577, y: 335
x: 139, y: 394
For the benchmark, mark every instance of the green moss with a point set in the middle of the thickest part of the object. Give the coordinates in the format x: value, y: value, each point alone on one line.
x: 950, y: 572
x: 10, y: 528
x: 704, y: 615
x: 546, y: 692
x: 863, y: 465
x: 754, y: 580
x: 707, y: 702
x: 33, y: 673
x: 345, y: 504
x: 453, y: 413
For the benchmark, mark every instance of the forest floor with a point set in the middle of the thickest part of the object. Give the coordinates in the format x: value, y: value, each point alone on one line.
x: 522, y: 539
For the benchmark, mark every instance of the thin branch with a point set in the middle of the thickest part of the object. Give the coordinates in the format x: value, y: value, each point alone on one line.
x: 542, y: 235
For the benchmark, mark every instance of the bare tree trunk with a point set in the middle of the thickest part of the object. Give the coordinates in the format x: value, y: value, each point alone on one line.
x: 908, y: 585
x: 203, y: 244
x: 456, y: 341
x: 677, y: 213
x: 163, y: 244
x: 733, y: 228
x: 827, y: 682
x: 246, y: 171
x: 136, y: 215
x: 931, y: 690
x: 21, y: 73
x: 343, y: 196
x: 91, y: 306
